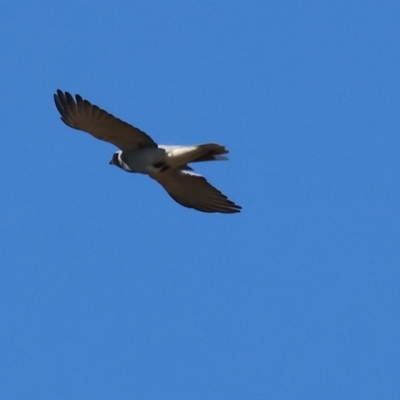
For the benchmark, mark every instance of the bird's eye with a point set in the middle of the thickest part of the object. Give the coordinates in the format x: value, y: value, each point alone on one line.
x: 158, y: 164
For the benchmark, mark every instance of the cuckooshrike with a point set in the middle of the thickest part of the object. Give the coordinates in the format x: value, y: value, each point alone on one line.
x: 168, y: 165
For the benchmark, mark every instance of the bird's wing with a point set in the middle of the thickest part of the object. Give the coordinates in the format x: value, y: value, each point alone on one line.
x: 193, y: 191
x: 80, y: 114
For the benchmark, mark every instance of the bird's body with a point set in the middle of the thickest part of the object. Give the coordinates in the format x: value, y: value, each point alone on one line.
x: 166, y: 164
x: 142, y: 161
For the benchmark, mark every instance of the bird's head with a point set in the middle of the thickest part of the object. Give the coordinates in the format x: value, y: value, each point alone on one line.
x: 119, y: 162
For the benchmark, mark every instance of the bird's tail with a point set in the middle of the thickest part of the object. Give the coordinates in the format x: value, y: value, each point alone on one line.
x: 182, y: 155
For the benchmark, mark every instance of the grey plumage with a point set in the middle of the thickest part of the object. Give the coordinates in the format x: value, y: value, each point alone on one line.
x: 166, y: 164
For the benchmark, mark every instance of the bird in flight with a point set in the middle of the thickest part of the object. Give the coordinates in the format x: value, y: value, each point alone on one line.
x: 168, y: 165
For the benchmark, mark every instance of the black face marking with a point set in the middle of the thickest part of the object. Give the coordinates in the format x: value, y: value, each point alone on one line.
x: 114, y: 160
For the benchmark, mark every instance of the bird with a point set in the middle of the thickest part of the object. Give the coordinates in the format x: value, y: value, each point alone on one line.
x: 139, y: 153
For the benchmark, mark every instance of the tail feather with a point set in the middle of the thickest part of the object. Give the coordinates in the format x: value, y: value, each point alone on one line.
x: 211, y: 157
x: 183, y: 155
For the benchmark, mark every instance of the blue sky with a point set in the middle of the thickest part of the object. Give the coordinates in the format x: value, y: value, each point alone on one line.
x: 109, y: 289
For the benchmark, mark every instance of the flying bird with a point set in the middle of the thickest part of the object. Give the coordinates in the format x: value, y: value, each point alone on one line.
x: 168, y: 165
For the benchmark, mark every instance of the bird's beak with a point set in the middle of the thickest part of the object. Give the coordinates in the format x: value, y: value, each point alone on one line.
x: 111, y: 162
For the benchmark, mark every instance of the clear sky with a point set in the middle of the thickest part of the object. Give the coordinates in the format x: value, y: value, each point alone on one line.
x: 111, y: 290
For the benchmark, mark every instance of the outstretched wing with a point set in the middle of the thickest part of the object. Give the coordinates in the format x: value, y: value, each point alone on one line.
x: 193, y: 191
x: 80, y: 114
